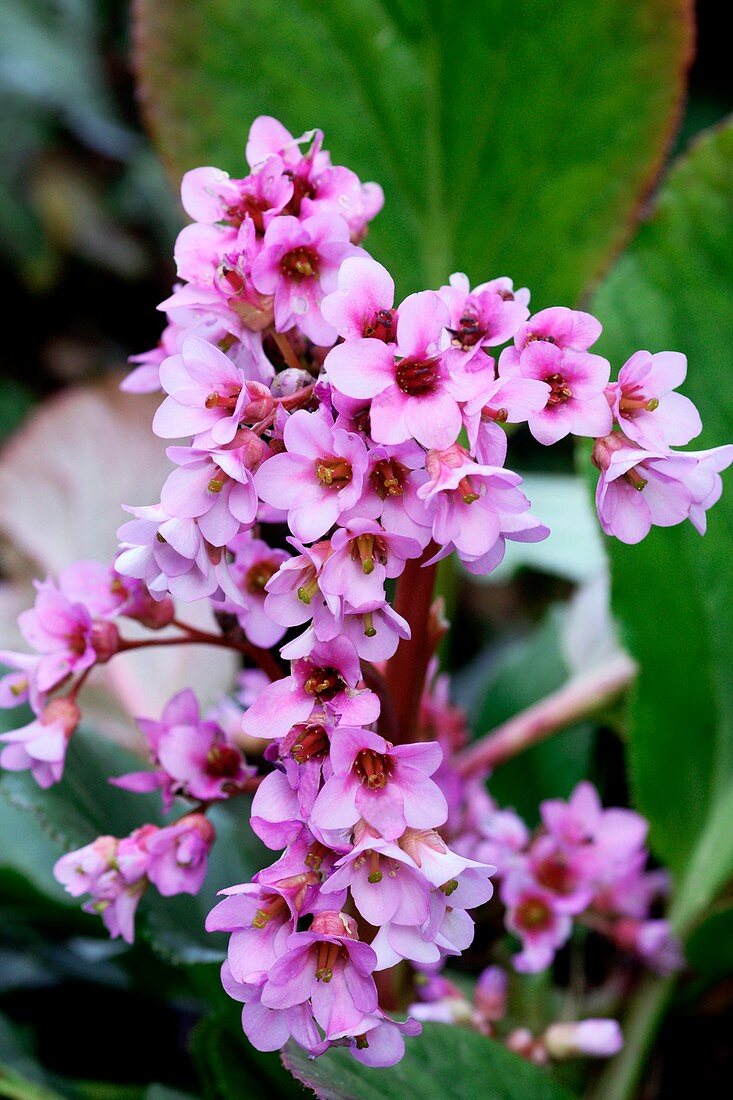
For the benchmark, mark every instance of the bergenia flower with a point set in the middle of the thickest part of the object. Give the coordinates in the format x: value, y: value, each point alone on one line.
x: 647, y: 409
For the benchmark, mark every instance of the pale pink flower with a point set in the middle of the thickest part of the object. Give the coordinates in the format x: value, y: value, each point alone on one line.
x: 645, y: 405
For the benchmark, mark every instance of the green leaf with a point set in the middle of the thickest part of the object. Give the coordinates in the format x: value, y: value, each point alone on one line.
x: 710, y: 947
x: 526, y: 673
x: 674, y: 592
x: 444, y: 1061
x: 228, y: 1066
x: 509, y: 137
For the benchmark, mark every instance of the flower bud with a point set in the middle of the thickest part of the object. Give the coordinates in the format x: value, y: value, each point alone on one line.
x: 590, y: 1038
x: 105, y: 639
x: 331, y: 923
x: 289, y: 381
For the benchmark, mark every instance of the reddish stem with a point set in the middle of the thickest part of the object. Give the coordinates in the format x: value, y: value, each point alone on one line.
x: 406, y: 670
x: 260, y: 657
x: 577, y: 699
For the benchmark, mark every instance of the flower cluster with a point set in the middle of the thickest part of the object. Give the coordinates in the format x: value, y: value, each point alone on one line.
x: 116, y: 873
x: 330, y: 445
x: 584, y: 864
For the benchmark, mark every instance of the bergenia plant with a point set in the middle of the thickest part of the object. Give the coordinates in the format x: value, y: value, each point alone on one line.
x: 333, y: 444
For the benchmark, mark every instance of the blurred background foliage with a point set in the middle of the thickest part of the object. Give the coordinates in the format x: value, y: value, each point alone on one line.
x: 518, y: 138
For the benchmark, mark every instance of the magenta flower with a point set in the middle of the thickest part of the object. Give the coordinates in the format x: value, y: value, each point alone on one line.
x: 384, y: 883
x: 653, y: 941
x: 363, y: 556
x: 215, y: 487
x: 255, y: 564
x: 362, y: 307
x: 533, y: 916
x: 386, y: 784
x: 62, y: 632
x: 577, y: 379
x: 648, y: 411
x: 293, y: 592
x: 178, y: 855
x: 299, y: 264
x: 566, y: 328
x: 413, y: 393
x: 329, y: 675
x: 475, y: 508
x: 638, y: 489
x: 206, y: 393
x: 328, y: 967
x: 487, y: 316
x: 318, y: 476
x: 40, y: 747
x: 566, y: 872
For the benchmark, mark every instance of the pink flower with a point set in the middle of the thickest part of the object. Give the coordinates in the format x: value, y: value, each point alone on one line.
x: 384, y: 883
x: 299, y: 264
x: 62, y: 632
x: 646, y: 408
x: 386, y: 784
x: 317, y: 478
x: 206, y: 392
x: 178, y: 855
x: 255, y: 564
x: 577, y: 380
x: 193, y: 757
x: 41, y: 745
x: 293, y: 592
x: 653, y: 941
x: 171, y: 554
x: 487, y: 316
x: 390, y: 492
x: 328, y: 967
x: 79, y: 871
x: 533, y: 916
x: 475, y: 508
x: 566, y: 328
x: 260, y: 918
x: 208, y: 195
x: 362, y: 305
x: 215, y: 487
x: 363, y: 556
x: 413, y: 393
x: 330, y: 674
x: 638, y: 489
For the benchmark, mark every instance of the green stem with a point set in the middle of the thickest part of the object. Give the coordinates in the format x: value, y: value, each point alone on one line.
x: 621, y: 1077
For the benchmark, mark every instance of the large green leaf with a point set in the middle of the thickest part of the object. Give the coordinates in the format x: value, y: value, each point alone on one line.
x: 674, y: 592
x: 515, y: 137
x: 443, y: 1062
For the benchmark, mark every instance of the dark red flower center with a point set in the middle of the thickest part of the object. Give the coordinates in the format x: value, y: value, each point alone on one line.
x: 300, y: 263
x: 560, y: 391
x: 373, y: 769
x: 416, y: 377
x: 312, y: 741
x: 258, y: 575
x: 556, y: 874
x: 324, y: 683
x: 533, y: 914
x: 333, y: 472
x: 381, y: 326
x: 223, y: 761
x: 389, y: 478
